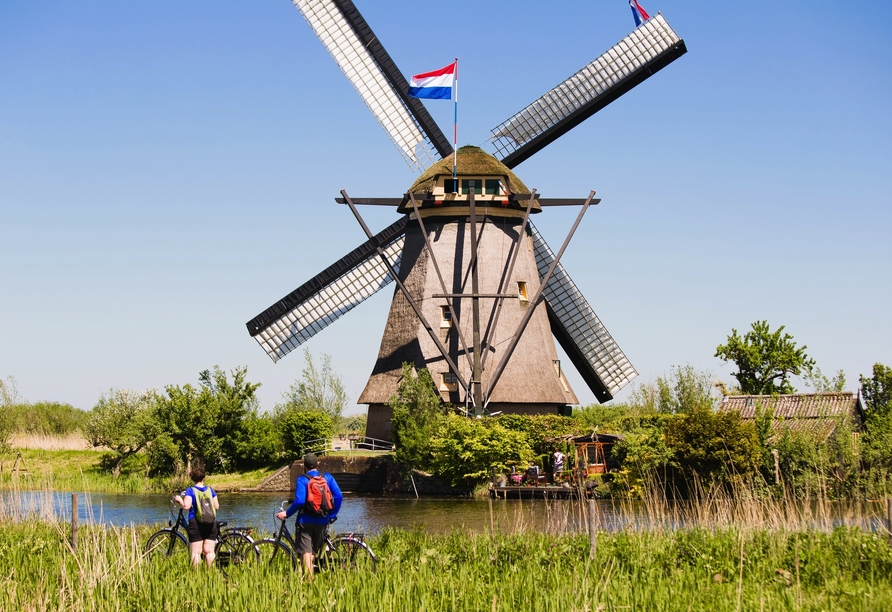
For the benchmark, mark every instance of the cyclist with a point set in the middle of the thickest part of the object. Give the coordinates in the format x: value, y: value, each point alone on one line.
x: 311, y: 527
x: 202, y: 534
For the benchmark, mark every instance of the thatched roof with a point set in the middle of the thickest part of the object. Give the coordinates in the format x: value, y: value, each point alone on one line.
x: 816, y: 413
x: 471, y: 161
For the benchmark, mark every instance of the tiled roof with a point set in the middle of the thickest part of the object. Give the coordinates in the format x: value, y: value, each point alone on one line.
x: 816, y: 413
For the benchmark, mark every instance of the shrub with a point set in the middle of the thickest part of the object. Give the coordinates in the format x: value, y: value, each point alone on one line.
x: 300, y: 426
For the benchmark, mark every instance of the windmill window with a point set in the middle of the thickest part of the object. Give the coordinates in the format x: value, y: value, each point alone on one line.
x: 468, y: 184
x: 449, y: 186
x: 522, y: 291
x: 445, y: 317
x: 450, y: 382
x: 493, y: 187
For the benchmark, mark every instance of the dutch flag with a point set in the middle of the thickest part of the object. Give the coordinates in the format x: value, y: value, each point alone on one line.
x: 436, y: 85
x: 638, y: 13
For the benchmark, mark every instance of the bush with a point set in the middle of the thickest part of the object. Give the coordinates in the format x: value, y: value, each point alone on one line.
x: 713, y: 446
x: 300, y: 426
x: 258, y: 442
x: 465, y: 451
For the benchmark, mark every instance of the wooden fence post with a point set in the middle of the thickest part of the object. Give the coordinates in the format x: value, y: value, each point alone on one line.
x: 74, y: 517
x: 592, y: 529
x: 889, y: 517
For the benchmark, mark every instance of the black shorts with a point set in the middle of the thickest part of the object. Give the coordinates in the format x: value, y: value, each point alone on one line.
x: 310, y: 538
x: 198, y: 532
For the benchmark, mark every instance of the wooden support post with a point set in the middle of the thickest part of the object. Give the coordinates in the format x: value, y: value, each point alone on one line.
x: 74, y: 517
x: 492, y: 523
x: 592, y: 529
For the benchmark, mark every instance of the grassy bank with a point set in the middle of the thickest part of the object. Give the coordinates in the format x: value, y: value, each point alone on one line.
x: 727, y: 569
x: 79, y: 470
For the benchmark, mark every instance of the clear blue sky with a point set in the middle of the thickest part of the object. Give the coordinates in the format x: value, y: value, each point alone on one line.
x: 168, y: 169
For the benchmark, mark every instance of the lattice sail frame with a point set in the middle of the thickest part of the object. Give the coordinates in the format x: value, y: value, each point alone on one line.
x: 335, y: 299
x: 648, y: 41
x: 370, y: 82
x: 594, y: 342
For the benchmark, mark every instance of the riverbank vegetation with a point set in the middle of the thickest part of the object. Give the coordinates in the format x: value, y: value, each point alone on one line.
x: 695, y: 569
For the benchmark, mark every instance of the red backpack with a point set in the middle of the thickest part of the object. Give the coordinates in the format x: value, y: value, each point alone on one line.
x: 319, y: 499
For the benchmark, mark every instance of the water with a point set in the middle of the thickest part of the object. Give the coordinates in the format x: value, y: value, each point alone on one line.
x: 372, y: 513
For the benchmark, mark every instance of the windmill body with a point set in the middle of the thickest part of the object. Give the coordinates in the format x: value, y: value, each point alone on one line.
x: 533, y: 382
x: 481, y: 297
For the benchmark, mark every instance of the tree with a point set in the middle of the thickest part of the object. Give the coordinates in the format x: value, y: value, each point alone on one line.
x: 877, y: 390
x: 417, y: 413
x: 714, y: 445
x: 319, y: 389
x: 204, y: 423
x: 685, y: 389
x: 765, y: 359
x: 821, y: 384
x: 465, y: 451
x: 9, y: 397
x: 300, y: 426
x: 124, y: 422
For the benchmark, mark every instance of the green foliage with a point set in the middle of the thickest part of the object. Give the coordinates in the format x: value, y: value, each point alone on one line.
x: 418, y: 412
x: 877, y: 390
x: 258, y: 441
x: 300, y: 426
x: 319, y: 389
x: 821, y: 384
x: 685, y: 390
x: 465, y: 451
x: 205, y: 423
x: 714, y: 446
x: 765, y: 359
x: 123, y: 421
x: 540, y: 430
x: 354, y: 424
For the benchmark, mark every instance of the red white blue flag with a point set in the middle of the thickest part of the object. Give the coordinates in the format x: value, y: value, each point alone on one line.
x: 436, y: 85
x: 638, y: 13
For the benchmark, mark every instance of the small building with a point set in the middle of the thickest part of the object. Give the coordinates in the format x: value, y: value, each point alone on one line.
x: 594, y: 453
x: 816, y: 413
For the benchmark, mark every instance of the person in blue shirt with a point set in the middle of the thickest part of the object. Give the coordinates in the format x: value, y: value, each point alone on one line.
x: 311, y: 528
x: 202, y: 536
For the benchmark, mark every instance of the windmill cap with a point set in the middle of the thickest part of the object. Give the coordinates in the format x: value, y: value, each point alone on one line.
x: 470, y: 161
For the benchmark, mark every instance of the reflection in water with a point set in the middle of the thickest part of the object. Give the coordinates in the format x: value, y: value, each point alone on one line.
x: 372, y: 513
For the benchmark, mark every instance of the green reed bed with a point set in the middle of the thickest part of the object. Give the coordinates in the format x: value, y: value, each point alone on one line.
x: 726, y: 569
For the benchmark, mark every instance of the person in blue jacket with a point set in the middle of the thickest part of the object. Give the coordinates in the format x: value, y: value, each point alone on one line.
x: 311, y: 528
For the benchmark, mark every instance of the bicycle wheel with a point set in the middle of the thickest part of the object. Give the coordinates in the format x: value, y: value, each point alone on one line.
x: 235, y: 552
x: 355, y: 554
x: 165, y: 544
x: 329, y: 558
x: 275, y: 554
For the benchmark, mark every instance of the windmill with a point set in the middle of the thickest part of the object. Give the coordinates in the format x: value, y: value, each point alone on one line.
x: 480, y: 295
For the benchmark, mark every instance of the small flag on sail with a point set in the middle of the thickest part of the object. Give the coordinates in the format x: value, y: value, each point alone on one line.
x: 436, y: 85
x: 638, y: 13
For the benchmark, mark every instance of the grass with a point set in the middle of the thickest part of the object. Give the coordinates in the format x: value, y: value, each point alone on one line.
x: 79, y: 470
x: 698, y: 569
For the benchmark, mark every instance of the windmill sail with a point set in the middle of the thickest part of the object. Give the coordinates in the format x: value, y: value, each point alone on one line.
x: 365, y: 62
x: 329, y: 295
x: 579, y: 331
x: 649, y: 48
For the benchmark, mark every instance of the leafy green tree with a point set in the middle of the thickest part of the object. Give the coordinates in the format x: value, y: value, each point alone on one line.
x: 685, y: 390
x: 258, y: 441
x: 124, y: 422
x: 354, y: 424
x: 418, y: 411
x: 765, y: 360
x: 318, y: 389
x: 821, y: 384
x: 877, y: 390
x: 205, y: 422
x: 300, y: 426
x: 465, y: 451
x: 877, y: 438
x: 714, y: 445
x: 541, y: 431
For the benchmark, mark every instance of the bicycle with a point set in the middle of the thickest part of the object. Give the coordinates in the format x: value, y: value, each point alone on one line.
x: 339, y: 551
x: 234, y: 547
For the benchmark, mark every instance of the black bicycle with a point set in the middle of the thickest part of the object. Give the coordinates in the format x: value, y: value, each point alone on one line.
x: 348, y: 551
x: 234, y: 549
